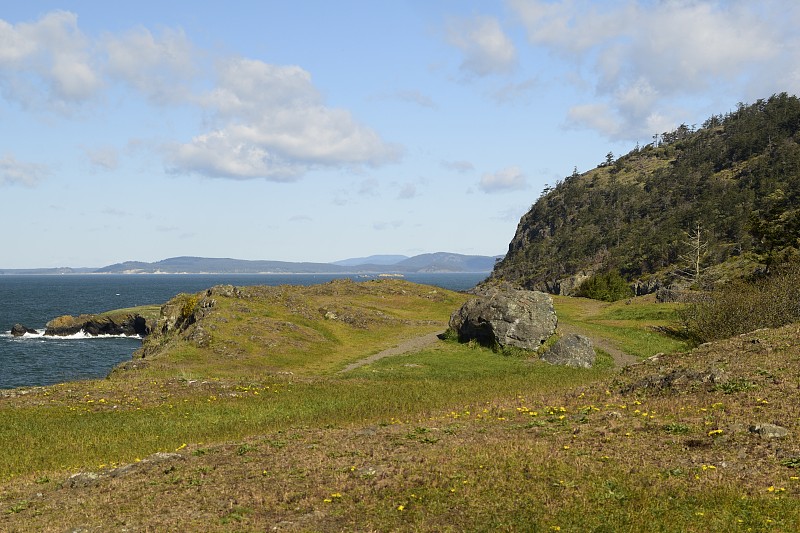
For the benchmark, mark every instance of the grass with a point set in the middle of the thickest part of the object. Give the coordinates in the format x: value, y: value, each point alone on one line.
x: 632, y: 325
x: 102, y: 427
x: 454, y: 437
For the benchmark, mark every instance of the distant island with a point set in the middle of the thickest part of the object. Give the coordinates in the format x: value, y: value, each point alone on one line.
x: 442, y: 262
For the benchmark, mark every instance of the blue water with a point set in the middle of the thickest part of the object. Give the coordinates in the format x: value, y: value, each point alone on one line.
x: 34, y: 300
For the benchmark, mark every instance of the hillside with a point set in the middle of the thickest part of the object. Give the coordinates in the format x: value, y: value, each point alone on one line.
x: 730, y: 190
x: 436, y: 262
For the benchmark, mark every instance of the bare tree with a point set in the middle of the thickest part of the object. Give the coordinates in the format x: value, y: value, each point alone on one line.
x: 692, y: 269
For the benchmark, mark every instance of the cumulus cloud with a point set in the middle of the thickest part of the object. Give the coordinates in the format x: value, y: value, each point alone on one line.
x: 262, y: 120
x: 485, y: 47
x: 272, y: 124
x: 159, y: 67
x: 509, y: 179
x: 47, y: 62
x: 643, y: 58
x: 14, y: 172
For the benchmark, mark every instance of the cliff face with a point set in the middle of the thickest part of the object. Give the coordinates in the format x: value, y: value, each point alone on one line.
x: 730, y: 191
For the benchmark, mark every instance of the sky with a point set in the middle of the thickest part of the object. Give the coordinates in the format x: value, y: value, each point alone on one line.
x: 319, y: 130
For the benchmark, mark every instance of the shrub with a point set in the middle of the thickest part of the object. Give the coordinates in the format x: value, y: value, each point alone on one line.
x: 608, y: 286
x: 742, y: 306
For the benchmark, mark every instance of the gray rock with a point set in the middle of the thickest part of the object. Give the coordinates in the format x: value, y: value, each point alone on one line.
x: 18, y: 330
x: 506, y: 317
x: 769, y: 431
x: 571, y: 350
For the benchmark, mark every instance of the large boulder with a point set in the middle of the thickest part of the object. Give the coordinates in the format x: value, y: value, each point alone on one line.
x: 506, y: 317
x: 571, y: 350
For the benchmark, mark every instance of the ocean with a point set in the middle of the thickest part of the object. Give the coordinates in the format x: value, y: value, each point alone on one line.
x: 34, y: 300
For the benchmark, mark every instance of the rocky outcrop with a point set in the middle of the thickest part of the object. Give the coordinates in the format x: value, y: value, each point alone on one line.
x: 107, y: 324
x: 180, y: 317
x: 571, y: 350
x: 503, y: 316
x: 18, y: 330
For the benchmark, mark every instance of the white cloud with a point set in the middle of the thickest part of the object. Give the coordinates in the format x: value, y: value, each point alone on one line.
x: 158, y: 67
x: 643, y: 59
x: 415, y: 97
x: 263, y: 121
x: 514, y: 92
x: 273, y: 124
x: 509, y: 179
x: 486, y: 48
x: 13, y: 172
x: 47, y: 62
x: 105, y: 157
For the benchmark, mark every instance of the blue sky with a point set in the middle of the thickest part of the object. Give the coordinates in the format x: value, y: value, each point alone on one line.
x: 318, y: 130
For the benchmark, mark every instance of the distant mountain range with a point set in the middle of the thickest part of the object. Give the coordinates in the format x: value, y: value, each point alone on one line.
x: 376, y: 264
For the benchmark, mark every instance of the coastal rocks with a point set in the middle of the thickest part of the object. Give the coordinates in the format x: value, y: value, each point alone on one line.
x: 94, y: 325
x: 18, y: 330
x: 571, y: 350
x: 505, y: 316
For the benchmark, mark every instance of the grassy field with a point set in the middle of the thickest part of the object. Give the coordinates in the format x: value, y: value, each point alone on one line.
x: 453, y: 437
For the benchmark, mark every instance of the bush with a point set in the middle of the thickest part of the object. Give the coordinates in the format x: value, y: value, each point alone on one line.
x: 743, y: 306
x: 609, y: 287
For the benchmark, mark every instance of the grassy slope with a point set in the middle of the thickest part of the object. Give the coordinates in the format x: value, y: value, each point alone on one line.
x: 451, y: 438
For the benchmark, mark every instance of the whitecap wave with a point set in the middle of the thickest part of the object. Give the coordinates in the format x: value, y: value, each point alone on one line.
x: 81, y: 335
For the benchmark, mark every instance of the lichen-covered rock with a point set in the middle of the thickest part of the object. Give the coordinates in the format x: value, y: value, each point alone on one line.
x: 769, y: 431
x: 505, y: 316
x: 571, y: 350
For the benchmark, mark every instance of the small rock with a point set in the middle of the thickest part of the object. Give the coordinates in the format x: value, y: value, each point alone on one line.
x: 84, y: 479
x: 769, y: 431
x: 571, y: 350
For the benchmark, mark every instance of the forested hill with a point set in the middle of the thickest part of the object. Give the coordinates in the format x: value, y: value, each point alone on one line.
x: 720, y: 200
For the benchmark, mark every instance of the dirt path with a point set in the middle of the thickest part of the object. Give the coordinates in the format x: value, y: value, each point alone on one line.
x: 411, y: 345
x: 416, y: 344
x: 621, y: 358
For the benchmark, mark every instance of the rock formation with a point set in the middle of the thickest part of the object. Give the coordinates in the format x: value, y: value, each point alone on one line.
x: 114, y: 324
x: 504, y: 316
x: 18, y: 330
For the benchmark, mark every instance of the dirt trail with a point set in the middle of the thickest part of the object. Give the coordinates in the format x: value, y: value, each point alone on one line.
x: 411, y: 345
x: 416, y: 344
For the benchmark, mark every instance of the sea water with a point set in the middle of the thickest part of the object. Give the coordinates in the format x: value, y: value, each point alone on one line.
x: 34, y: 300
